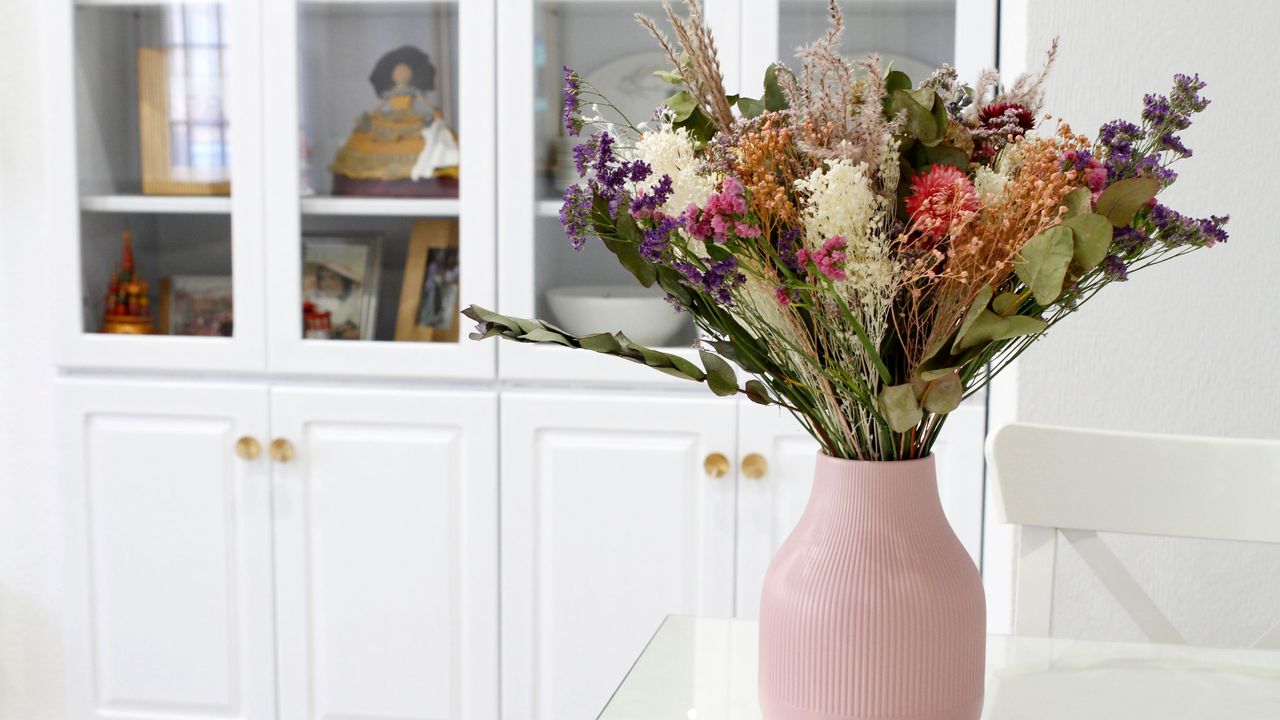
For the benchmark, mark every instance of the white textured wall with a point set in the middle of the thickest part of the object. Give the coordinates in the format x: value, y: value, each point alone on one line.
x: 31, y: 680
x: 1187, y: 347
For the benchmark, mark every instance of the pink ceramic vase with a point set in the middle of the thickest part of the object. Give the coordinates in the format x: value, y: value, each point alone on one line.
x: 872, y: 609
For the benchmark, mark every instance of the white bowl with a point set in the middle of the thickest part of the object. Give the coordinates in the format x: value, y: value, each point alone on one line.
x: 642, y: 314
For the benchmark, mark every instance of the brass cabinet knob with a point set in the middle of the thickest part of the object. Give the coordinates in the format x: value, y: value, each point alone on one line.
x: 755, y: 466
x: 281, y: 450
x: 247, y: 448
x: 716, y: 465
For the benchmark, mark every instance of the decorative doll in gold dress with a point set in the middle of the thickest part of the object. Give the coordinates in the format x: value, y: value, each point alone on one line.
x: 402, y: 147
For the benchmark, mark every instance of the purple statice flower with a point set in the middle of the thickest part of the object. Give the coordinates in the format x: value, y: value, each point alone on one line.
x: 1185, y: 95
x: 789, y: 247
x: 1133, y: 151
x: 674, y: 302
x: 647, y: 202
x: 575, y: 214
x: 689, y: 271
x: 571, y: 92
x: 1178, y: 230
x: 1129, y: 241
x: 721, y: 278
x: 585, y: 154
x: 1115, y: 268
x: 1172, y: 143
x: 604, y: 152
x: 657, y: 239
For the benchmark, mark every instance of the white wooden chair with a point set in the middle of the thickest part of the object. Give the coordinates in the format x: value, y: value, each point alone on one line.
x: 1078, y: 482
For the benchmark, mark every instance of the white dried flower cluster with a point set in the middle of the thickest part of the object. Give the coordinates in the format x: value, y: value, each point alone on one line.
x: 989, y: 184
x: 841, y: 202
x: 669, y: 151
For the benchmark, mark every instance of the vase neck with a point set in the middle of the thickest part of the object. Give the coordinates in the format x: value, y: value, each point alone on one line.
x: 901, y: 489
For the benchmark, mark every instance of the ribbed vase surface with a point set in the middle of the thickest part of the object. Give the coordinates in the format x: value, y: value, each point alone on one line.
x: 872, y: 609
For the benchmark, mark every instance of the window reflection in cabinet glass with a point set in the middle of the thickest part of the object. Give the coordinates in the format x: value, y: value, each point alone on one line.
x: 915, y: 35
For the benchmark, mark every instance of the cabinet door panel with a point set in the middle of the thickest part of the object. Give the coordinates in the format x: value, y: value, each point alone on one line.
x: 609, y: 524
x: 170, y: 542
x: 386, y: 554
x: 769, y: 507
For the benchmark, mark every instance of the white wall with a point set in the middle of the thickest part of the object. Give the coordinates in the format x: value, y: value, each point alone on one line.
x: 30, y: 550
x: 1188, y: 347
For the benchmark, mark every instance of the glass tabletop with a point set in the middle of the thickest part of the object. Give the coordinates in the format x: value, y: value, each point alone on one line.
x: 705, y: 669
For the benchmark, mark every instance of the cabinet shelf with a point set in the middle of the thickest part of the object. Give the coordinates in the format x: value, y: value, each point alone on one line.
x: 386, y: 207
x: 161, y: 204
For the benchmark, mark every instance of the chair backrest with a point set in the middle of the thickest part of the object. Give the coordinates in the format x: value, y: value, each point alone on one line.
x: 1077, y: 482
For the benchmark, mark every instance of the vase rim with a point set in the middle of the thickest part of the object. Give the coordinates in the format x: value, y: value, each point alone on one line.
x: 824, y: 457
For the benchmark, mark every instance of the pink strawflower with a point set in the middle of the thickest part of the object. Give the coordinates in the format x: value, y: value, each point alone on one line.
x: 942, y: 198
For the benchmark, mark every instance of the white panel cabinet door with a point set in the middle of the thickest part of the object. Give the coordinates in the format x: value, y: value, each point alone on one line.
x: 169, y: 550
x: 610, y: 522
x: 386, y: 554
x: 770, y: 506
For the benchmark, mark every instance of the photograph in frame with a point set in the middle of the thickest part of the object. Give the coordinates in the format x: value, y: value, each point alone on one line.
x: 340, y: 277
x: 430, y: 290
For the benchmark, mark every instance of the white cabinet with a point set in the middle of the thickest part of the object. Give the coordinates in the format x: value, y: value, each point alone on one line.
x: 610, y: 521
x: 386, y: 554
x: 383, y: 507
x: 169, y: 613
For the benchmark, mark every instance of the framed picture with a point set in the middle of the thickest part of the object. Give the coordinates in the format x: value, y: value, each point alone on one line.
x: 182, y: 123
x: 196, y: 305
x: 429, y: 291
x: 340, y: 277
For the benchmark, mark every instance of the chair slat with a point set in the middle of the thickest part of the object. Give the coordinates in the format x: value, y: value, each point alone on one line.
x: 1120, y: 583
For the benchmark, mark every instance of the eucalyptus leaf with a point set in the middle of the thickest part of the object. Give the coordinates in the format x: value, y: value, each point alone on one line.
x: 931, y: 375
x: 945, y: 155
x: 1091, y: 235
x: 919, y: 118
x: 1042, y: 263
x: 1006, y: 303
x: 774, y: 98
x: 669, y: 76
x: 944, y: 394
x: 601, y: 343
x: 896, y: 80
x: 721, y: 378
x: 541, y: 335
x: 751, y: 108
x: 900, y: 408
x: 990, y: 327
x: 686, y: 367
x: 682, y: 104
x: 976, y: 308
x: 1077, y: 202
x: 757, y: 392
x: 1124, y: 198
x: 730, y: 350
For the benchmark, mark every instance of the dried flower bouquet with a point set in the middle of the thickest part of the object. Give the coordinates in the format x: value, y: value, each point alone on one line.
x: 869, y: 249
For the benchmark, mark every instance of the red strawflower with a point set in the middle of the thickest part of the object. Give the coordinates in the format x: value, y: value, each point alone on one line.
x: 1021, y: 114
x: 941, y: 197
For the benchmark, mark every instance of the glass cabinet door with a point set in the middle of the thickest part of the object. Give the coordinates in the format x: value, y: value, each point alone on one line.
x: 161, y: 138
x: 540, y: 273
x: 379, y: 120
